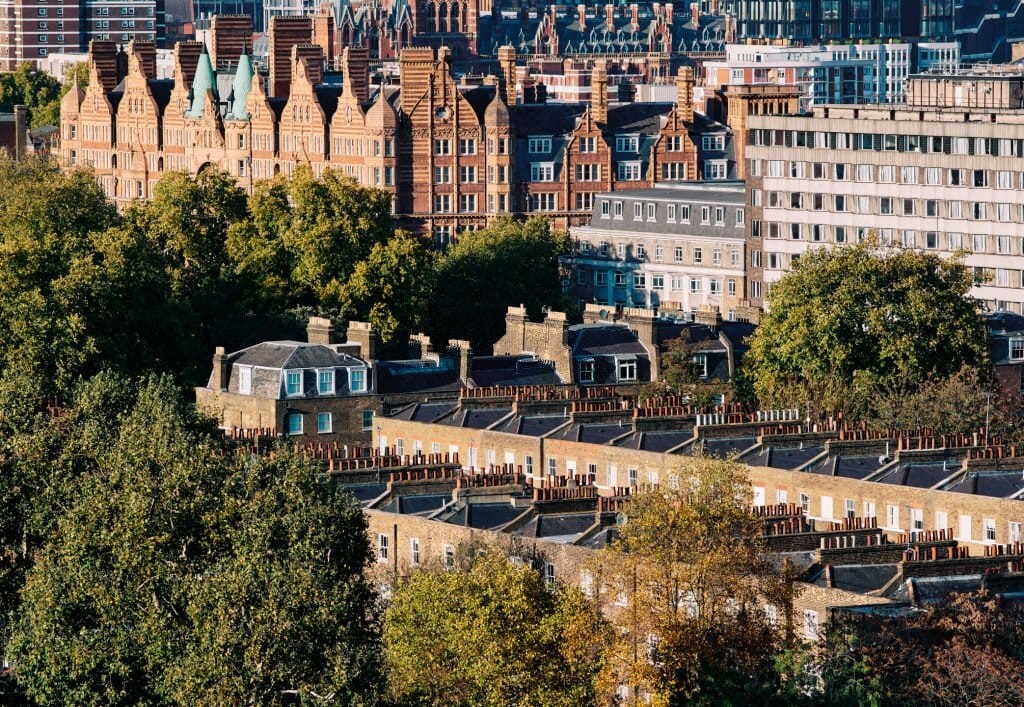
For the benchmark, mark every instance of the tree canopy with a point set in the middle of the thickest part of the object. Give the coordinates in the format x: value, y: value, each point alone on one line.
x: 169, y: 570
x: 509, y: 263
x: 848, y: 320
x: 492, y: 635
x: 689, y: 576
x: 304, y: 236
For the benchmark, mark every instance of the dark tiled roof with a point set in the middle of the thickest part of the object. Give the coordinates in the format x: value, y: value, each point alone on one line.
x: 513, y: 370
x: 861, y: 578
x: 293, y: 354
x: 785, y: 458
x: 425, y: 412
x: 418, y: 504
x: 594, y: 433
x: 553, y: 526
x: 923, y: 475
x: 657, y: 441
x: 997, y: 484
x: 477, y: 419
x: 604, y: 339
x: 533, y: 425
x: 399, y: 377
x: 491, y: 515
x: 546, y: 118
x: 724, y: 447
x: 365, y: 493
x: 847, y: 467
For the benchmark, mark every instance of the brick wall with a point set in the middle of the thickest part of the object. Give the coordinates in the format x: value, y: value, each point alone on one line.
x: 614, y: 461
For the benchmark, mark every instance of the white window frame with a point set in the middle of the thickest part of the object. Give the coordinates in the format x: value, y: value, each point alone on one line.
x: 244, y: 380
x: 320, y: 416
x: 320, y: 388
x: 287, y: 390
x: 352, y: 372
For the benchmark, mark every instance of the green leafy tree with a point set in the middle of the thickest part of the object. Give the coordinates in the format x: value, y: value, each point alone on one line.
x: 305, y: 235
x: 172, y: 571
x: 848, y: 320
x: 49, y: 222
x: 963, y: 403
x: 510, y: 263
x: 492, y: 635
x: 391, y: 288
x: 689, y: 581
x: 39, y: 92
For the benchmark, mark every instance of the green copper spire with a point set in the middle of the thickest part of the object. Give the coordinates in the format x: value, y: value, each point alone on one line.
x: 204, y: 81
x: 240, y: 88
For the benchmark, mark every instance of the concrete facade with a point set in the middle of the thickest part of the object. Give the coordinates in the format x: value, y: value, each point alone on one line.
x: 673, y: 248
x: 936, y: 175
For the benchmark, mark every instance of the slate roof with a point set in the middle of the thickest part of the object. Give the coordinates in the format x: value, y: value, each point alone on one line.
x: 477, y: 419
x: 848, y: 467
x: 519, y: 369
x: 997, y: 484
x: 415, y: 377
x: 562, y: 527
x: 293, y: 354
x: 860, y: 578
x: 661, y: 441
x: 594, y: 433
x: 426, y: 412
x: 784, y: 458
x: 604, y: 340
x: 919, y: 475
x: 532, y: 425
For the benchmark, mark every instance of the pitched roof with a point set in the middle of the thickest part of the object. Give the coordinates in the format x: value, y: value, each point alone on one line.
x: 293, y: 354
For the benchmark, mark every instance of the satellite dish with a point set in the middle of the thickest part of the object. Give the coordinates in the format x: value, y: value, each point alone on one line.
x: 603, y: 314
x: 621, y: 519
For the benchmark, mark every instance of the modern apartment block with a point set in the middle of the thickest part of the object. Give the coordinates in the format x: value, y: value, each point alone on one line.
x: 832, y: 73
x: 942, y: 173
x: 672, y: 248
x: 31, y: 31
x: 814, y: 21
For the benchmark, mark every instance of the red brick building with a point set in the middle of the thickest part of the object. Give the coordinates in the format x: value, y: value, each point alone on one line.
x: 454, y: 154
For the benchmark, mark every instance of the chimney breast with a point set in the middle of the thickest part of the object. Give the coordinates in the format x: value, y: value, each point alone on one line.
x: 221, y: 370
x: 320, y: 330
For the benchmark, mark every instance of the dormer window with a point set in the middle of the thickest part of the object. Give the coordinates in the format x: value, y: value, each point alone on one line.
x: 587, y: 370
x: 1017, y: 349
x: 357, y: 380
x: 244, y: 380
x: 325, y: 381
x: 293, y: 383
x: 627, y: 369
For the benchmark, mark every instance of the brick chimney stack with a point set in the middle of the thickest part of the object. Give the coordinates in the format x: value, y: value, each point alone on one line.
x: 507, y: 65
x: 730, y: 28
x: 668, y: 14
x: 695, y: 15
x: 609, y: 16
x: 362, y: 333
x: 465, y: 353
x: 221, y: 370
x: 684, y: 93
x: 581, y: 16
x: 634, y: 14
x: 320, y: 330
x: 599, y: 92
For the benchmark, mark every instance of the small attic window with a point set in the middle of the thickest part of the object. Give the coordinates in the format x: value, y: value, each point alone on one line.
x: 244, y: 380
x: 1017, y: 349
